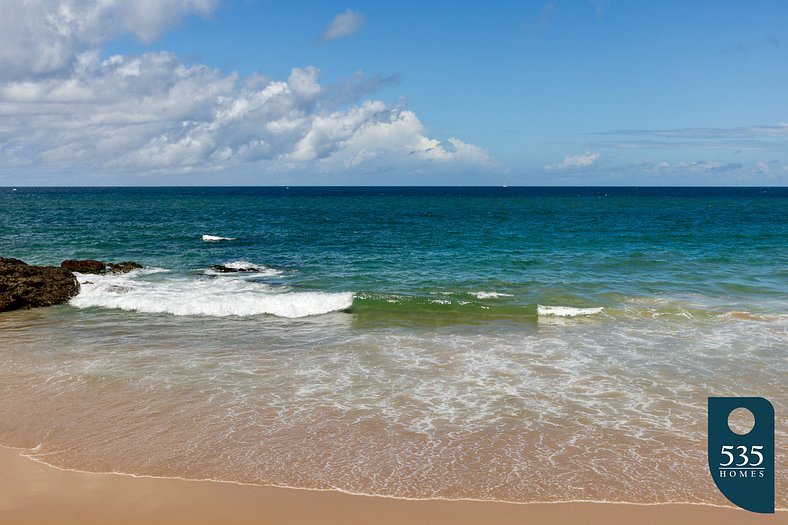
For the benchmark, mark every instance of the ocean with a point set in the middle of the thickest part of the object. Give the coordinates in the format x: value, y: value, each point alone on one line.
x: 509, y: 344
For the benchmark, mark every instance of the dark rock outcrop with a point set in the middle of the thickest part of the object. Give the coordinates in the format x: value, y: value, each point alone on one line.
x: 98, y: 267
x: 226, y: 269
x: 123, y: 267
x: 84, y: 266
x: 26, y: 286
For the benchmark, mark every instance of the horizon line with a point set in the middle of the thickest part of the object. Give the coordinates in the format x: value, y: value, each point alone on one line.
x: 392, y: 186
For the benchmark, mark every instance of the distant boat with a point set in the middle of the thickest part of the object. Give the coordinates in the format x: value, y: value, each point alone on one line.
x: 505, y: 185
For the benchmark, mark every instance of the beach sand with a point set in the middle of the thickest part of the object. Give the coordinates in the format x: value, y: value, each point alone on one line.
x: 34, y: 493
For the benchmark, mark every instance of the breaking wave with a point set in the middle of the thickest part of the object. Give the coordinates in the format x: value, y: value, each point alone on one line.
x: 216, y: 238
x: 246, y: 269
x: 566, y: 311
x: 187, y: 295
x: 256, y: 289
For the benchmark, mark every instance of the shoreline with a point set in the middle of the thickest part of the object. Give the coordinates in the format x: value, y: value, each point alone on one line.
x: 32, y: 492
x: 22, y: 454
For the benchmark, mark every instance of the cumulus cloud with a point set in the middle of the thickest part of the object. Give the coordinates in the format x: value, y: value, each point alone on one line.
x: 64, y: 107
x: 153, y: 113
x: 42, y: 37
x: 344, y: 24
x: 574, y: 162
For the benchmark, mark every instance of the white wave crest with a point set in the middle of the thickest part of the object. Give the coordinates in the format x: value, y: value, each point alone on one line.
x: 489, y: 295
x: 214, y: 297
x: 566, y: 311
x: 216, y: 238
x: 240, y: 265
x: 260, y: 270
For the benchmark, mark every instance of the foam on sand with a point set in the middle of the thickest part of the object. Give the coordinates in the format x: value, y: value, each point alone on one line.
x: 209, y: 297
x: 566, y: 311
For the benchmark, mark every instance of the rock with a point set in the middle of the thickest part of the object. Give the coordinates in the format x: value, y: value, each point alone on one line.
x: 226, y: 269
x: 26, y: 286
x: 123, y: 267
x: 98, y: 267
x: 84, y: 266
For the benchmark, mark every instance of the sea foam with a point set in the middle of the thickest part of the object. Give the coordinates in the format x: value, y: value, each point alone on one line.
x: 194, y: 296
x: 490, y: 295
x: 566, y: 311
x: 251, y: 270
x: 216, y: 238
x: 240, y: 265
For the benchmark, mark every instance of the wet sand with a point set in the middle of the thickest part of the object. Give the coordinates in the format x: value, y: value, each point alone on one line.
x: 32, y: 493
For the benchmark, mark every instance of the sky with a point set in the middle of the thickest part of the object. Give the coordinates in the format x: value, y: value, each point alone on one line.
x: 256, y: 92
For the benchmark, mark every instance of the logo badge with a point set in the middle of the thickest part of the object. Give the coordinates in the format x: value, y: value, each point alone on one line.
x: 742, y: 465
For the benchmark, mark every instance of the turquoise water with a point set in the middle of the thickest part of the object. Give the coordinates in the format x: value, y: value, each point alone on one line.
x: 518, y: 344
x: 400, y: 249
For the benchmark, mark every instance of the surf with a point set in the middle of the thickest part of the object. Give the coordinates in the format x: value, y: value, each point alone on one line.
x: 192, y: 296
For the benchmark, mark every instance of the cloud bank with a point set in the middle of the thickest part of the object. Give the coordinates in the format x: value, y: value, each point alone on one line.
x: 148, y: 114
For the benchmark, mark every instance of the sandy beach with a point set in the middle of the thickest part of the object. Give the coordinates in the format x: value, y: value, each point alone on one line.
x: 33, y: 493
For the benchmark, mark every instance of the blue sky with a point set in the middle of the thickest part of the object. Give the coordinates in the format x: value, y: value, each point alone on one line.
x: 558, y: 92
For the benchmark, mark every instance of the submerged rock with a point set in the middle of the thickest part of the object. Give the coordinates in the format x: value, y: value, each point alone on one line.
x: 227, y: 269
x: 98, y: 267
x: 24, y: 286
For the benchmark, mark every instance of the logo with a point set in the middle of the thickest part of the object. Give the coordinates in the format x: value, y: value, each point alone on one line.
x: 742, y: 465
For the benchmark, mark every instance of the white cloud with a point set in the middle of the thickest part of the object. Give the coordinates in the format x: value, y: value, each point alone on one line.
x: 344, y: 24
x: 64, y: 108
x: 303, y: 82
x: 42, y: 37
x: 573, y: 162
x: 151, y: 113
